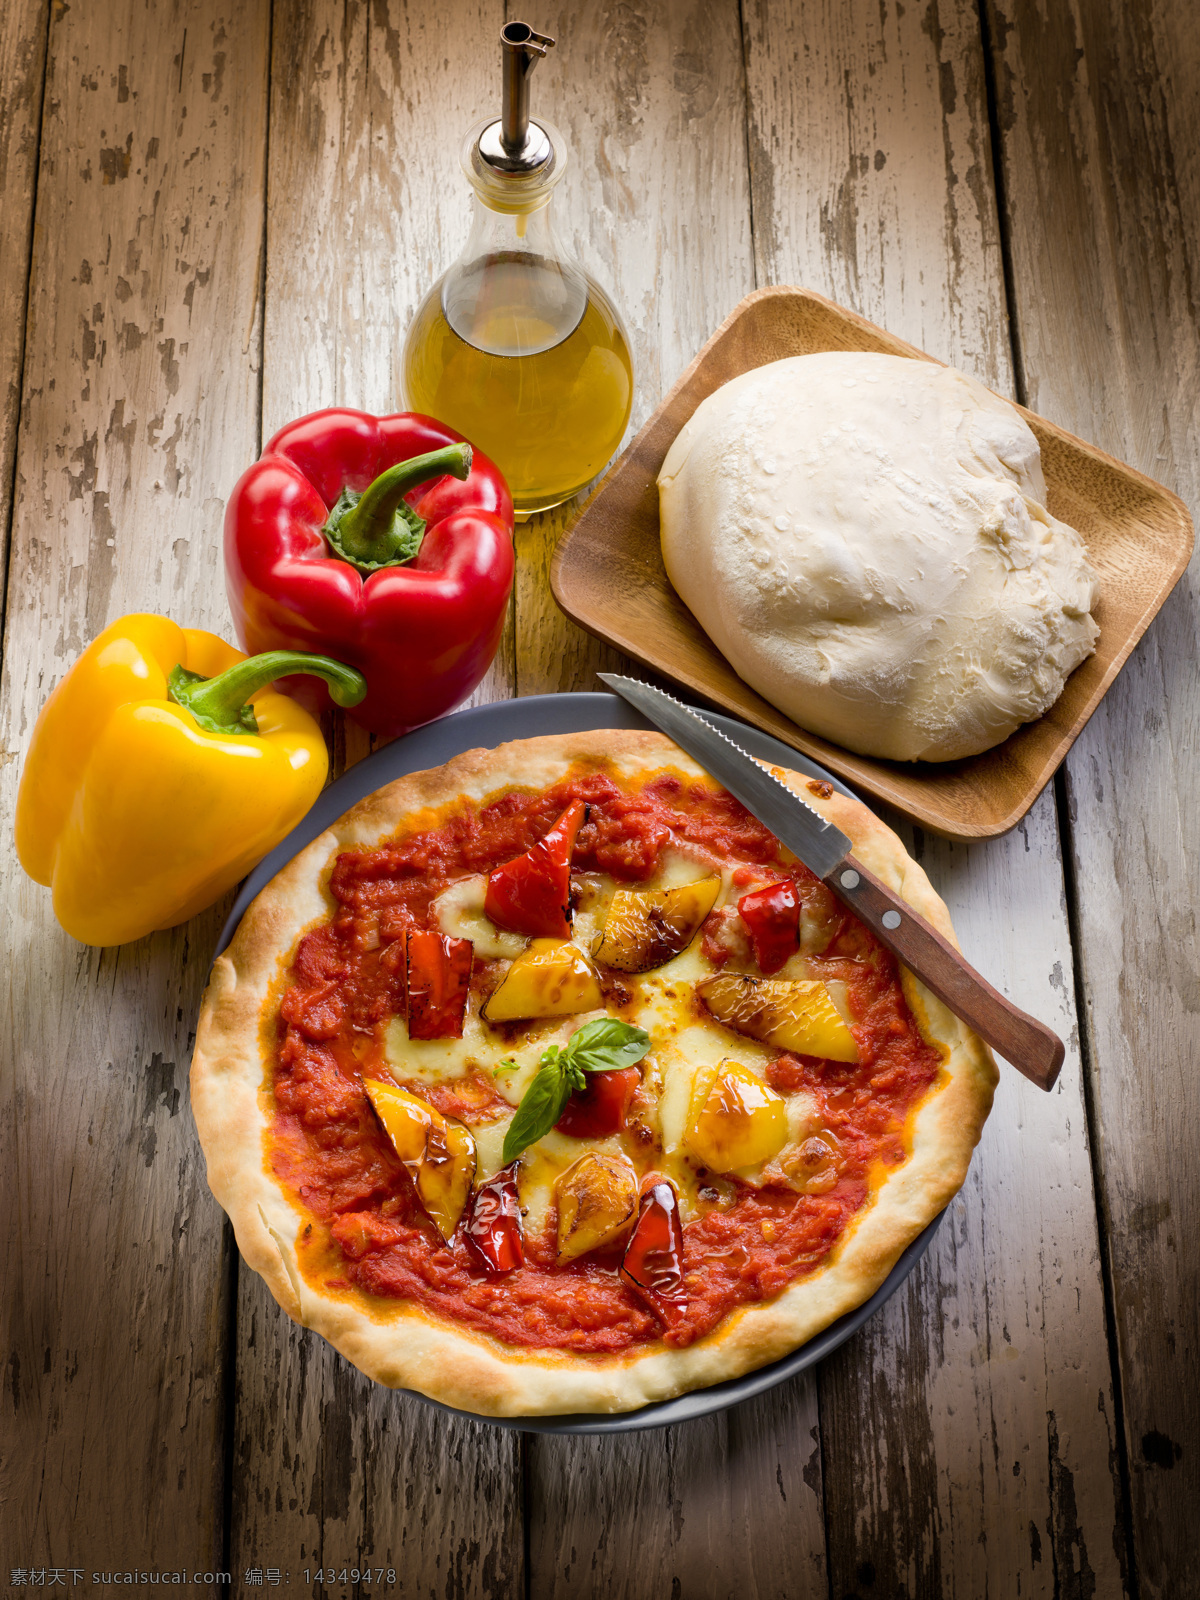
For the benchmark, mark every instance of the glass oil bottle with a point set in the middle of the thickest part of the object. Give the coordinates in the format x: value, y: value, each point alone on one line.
x: 516, y: 346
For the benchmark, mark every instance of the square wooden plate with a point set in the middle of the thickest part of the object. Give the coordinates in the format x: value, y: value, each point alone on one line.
x: 608, y: 575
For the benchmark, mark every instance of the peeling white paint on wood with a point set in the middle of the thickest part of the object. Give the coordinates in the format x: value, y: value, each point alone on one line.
x: 981, y: 1395
x: 967, y: 1441
x: 1099, y: 110
x: 651, y: 100
x: 22, y: 73
x: 136, y: 416
x: 366, y: 206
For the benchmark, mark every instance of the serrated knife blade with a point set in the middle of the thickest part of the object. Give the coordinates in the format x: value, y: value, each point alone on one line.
x: 825, y: 850
x: 807, y: 834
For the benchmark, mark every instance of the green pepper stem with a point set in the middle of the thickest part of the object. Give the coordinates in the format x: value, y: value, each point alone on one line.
x: 219, y: 704
x: 363, y: 533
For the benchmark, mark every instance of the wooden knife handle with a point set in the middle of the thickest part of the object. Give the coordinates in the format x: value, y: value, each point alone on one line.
x: 1029, y: 1045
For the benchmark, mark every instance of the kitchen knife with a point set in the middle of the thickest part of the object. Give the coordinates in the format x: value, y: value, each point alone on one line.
x: 1029, y: 1045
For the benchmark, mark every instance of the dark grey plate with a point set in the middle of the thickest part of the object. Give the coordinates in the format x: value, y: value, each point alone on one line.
x: 526, y: 719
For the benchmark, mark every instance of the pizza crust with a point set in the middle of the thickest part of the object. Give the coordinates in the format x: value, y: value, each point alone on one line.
x: 401, y: 1345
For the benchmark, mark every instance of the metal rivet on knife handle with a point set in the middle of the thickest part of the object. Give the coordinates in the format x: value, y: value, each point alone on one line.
x: 1032, y: 1048
x: 1029, y: 1045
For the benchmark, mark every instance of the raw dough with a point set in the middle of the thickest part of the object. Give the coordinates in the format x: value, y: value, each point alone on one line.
x: 865, y: 539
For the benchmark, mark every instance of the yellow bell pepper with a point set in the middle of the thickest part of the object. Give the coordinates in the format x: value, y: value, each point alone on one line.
x: 151, y: 786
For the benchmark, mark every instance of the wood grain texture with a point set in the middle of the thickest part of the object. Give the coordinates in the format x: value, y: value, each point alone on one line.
x: 967, y: 1429
x: 979, y: 1400
x: 1034, y: 1049
x: 22, y: 73
x: 148, y: 226
x: 651, y: 101
x: 366, y: 207
x: 331, y: 1470
x: 727, y: 1507
x: 1099, y: 114
x: 968, y: 1444
x: 656, y: 204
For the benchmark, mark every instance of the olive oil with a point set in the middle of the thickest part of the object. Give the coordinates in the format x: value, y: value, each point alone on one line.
x: 550, y: 413
x: 516, y: 346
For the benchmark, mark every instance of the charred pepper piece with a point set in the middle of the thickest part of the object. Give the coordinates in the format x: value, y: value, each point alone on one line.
x: 438, y: 1153
x: 439, y: 981
x: 531, y: 895
x: 646, y: 928
x: 737, y: 1121
x: 551, y: 979
x: 493, y: 1227
x: 653, y: 1263
x: 601, y: 1106
x: 794, y: 1015
x: 597, y: 1198
x: 772, y: 918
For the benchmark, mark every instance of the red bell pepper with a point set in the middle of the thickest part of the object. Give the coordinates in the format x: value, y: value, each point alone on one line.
x: 653, y: 1263
x: 532, y: 894
x: 493, y: 1225
x: 439, y: 981
x: 772, y: 917
x: 601, y: 1106
x: 351, y: 536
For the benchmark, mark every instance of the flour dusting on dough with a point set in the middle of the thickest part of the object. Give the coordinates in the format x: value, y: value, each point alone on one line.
x: 865, y: 538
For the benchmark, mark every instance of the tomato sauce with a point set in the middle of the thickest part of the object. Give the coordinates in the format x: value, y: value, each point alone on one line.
x: 347, y: 977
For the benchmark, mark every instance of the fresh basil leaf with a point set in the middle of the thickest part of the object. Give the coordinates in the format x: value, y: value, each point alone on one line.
x: 600, y: 1046
x: 607, y: 1044
x: 541, y: 1106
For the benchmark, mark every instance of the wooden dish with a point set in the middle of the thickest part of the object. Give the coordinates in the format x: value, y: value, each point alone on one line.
x: 608, y: 576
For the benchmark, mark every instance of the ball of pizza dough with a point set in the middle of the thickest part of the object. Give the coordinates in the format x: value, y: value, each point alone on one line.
x: 865, y: 539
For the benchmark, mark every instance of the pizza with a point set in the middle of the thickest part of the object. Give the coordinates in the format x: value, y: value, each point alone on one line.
x: 548, y: 1081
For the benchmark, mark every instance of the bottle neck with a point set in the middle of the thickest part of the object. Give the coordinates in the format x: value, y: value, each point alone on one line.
x: 516, y: 290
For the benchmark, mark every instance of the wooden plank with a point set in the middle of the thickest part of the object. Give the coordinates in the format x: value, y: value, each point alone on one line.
x: 139, y: 409
x: 22, y: 73
x: 967, y: 1430
x: 368, y: 110
x: 651, y: 101
x: 727, y: 1507
x: 368, y: 203
x: 1099, y: 112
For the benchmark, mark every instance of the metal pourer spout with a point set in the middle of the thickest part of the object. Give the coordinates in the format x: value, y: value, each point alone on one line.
x: 514, y: 144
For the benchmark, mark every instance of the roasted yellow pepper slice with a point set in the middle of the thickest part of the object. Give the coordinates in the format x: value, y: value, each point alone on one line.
x: 597, y: 1202
x: 550, y: 979
x: 438, y: 1152
x: 736, y: 1120
x: 791, y: 1013
x: 161, y: 769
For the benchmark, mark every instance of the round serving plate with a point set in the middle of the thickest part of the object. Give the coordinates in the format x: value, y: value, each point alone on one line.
x: 486, y: 726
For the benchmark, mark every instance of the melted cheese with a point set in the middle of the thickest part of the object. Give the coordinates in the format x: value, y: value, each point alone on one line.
x: 663, y: 1002
x: 458, y: 912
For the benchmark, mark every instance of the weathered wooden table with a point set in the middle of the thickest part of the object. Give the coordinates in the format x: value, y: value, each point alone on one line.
x: 218, y: 216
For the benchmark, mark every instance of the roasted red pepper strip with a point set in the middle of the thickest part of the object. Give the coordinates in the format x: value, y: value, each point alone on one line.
x: 531, y: 895
x: 439, y: 980
x: 772, y: 916
x: 410, y: 585
x: 601, y: 1106
x: 653, y: 1263
x: 493, y: 1225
